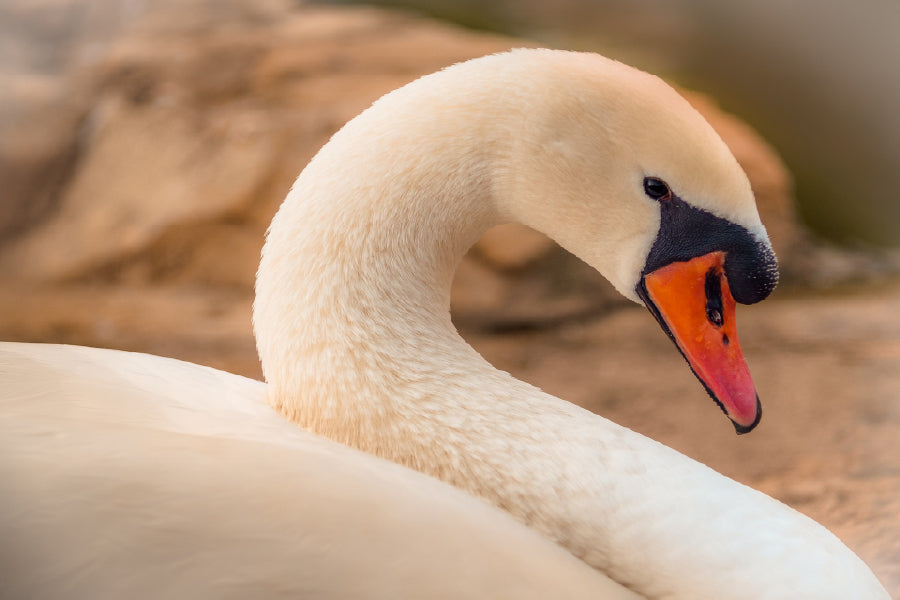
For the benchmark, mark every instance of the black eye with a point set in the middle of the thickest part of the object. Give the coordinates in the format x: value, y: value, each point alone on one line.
x: 657, y: 189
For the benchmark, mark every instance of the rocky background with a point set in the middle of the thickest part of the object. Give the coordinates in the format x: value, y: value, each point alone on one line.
x: 142, y: 156
x: 820, y: 81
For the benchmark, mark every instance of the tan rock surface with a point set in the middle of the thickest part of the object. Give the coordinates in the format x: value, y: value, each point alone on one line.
x: 139, y: 218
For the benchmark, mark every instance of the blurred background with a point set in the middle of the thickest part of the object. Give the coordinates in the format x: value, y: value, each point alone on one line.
x: 818, y: 80
x: 145, y: 145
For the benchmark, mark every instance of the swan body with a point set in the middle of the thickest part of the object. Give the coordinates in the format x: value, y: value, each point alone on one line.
x: 354, y: 333
x: 130, y: 475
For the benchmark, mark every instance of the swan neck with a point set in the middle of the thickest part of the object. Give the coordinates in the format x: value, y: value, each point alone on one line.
x: 354, y: 333
x: 352, y: 314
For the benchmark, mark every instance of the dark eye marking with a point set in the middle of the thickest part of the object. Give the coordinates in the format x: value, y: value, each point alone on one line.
x: 657, y: 189
x: 686, y: 232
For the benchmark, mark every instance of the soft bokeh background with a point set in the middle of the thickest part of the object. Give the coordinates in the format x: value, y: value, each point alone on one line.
x: 145, y: 144
x: 820, y: 80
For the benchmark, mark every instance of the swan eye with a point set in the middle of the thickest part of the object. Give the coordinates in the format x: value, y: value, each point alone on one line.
x: 657, y: 189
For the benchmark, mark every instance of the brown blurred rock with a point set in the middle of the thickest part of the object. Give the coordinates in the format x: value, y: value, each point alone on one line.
x: 196, y: 114
x: 38, y: 145
x: 195, y: 117
x: 512, y: 247
x: 145, y: 171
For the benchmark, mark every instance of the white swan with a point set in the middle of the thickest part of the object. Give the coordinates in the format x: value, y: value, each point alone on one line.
x: 353, y: 328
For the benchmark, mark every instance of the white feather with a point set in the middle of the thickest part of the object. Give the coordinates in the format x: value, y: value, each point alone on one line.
x: 353, y: 328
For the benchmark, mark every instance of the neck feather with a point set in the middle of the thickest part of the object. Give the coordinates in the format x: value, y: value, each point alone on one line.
x: 354, y: 332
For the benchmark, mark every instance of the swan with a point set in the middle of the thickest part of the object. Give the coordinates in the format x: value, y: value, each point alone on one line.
x: 352, y: 323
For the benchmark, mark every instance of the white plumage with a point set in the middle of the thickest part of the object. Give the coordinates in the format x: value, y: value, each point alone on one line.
x: 353, y: 329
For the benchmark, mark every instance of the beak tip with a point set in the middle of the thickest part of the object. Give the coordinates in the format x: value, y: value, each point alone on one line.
x: 742, y: 429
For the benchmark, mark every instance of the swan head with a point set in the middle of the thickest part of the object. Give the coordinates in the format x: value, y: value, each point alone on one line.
x: 618, y: 168
x: 609, y: 161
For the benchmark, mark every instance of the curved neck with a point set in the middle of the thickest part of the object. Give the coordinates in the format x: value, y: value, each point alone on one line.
x: 354, y: 333
x: 369, y: 261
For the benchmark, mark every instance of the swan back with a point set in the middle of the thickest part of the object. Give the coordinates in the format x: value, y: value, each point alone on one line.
x: 129, y: 475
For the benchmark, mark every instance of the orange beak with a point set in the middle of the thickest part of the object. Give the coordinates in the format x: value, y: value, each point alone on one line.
x: 693, y: 304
